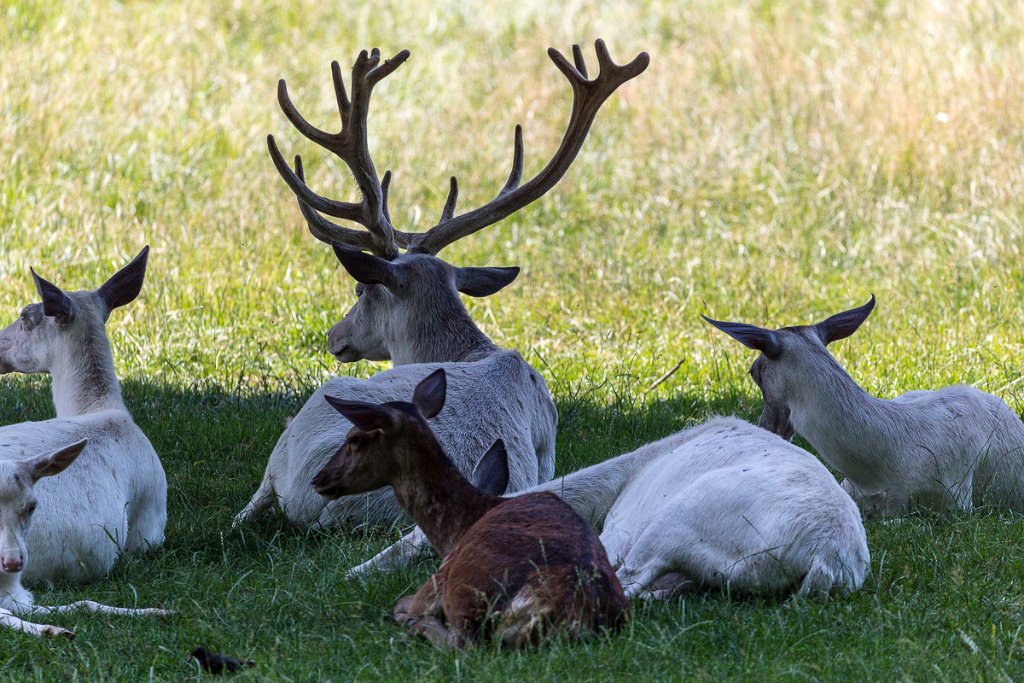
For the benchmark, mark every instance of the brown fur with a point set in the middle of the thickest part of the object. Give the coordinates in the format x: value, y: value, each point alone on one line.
x: 520, y: 568
x: 527, y: 565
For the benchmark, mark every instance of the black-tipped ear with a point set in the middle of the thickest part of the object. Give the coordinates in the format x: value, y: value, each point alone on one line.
x: 484, y: 281
x: 491, y: 473
x: 56, y: 303
x: 56, y: 462
x: 430, y: 394
x: 842, y: 325
x: 124, y: 285
x: 751, y: 336
x: 365, y: 416
x: 367, y: 268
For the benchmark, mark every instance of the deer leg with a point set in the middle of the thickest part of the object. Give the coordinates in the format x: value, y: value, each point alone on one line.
x: 10, y: 620
x: 523, y: 622
x: 637, y: 574
x: 423, y: 615
x: 260, y: 502
x: 665, y: 558
x: 880, y: 504
x: 399, y: 554
x: 91, y: 606
x: 426, y: 602
x: 437, y: 633
x: 668, y: 586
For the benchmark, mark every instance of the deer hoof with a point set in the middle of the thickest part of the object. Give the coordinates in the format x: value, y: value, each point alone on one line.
x: 53, y: 631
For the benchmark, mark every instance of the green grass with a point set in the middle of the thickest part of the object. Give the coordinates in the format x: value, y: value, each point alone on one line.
x: 776, y: 163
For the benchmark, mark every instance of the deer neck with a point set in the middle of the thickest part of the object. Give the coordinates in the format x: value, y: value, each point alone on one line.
x: 440, y: 500
x: 13, y: 596
x: 84, y: 380
x: 448, y: 335
x: 838, y: 418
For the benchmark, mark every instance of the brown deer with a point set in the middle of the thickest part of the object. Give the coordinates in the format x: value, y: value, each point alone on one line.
x: 409, y: 310
x: 521, y: 568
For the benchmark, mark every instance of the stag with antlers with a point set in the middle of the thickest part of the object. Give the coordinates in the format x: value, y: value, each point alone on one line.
x: 408, y: 308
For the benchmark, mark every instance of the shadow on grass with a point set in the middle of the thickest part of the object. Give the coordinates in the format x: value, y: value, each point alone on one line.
x: 280, y: 593
x: 214, y: 443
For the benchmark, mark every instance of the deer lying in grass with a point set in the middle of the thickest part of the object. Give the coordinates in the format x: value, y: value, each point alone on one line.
x: 517, y: 565
x: 409, y: 311
x: 721, y: 505
x: 115, y: 498
x: 952, y: 448
x: 20, y: 496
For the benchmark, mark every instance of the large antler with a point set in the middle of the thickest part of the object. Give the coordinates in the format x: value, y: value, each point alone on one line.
x: 351, y: 146
x: 587, y: 98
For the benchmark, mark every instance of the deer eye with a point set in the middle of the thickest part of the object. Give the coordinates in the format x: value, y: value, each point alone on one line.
x: 355, y: 440
x: 29, y: 509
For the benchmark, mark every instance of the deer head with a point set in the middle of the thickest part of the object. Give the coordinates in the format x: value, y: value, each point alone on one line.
x: 395, y: 288
x: 788, y: 356
x: 384, y: 440
x: 408, y: 309
x: 66, y: 323
x: 18, y: 500
x: 65, y: 336
x: 390, y: 440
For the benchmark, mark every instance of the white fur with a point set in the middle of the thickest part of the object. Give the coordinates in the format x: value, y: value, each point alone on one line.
x: 948, y: 449
x: 413, y: 315
x: 724, y: 504
x: 500, y: 396
x: 113, y: 499
x: 85, y: 516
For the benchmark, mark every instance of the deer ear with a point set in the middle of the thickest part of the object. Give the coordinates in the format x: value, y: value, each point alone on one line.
x: 124, y: 285
x: 484, y: 281
x: 367, y: 268
x: 430, y: 394
x: 842, y: 325
x: 56, y: 303
x: 751, y: 336
x: 365, y: 416
x: 491, y: 473
x: 54, y: 463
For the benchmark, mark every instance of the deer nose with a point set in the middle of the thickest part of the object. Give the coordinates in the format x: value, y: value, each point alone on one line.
x: 10, y: 566
x: 336, y: 342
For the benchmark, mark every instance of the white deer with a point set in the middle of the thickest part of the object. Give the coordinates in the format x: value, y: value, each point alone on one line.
x: 723, y: 505
x: 409, y: 311
x: 115, y: 498
x: 948, y: 449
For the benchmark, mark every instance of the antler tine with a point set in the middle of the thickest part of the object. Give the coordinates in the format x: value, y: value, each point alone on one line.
x: 385, y: 184
x: 351, y: 145
x: 320, y: 137
x: 347, y: 210
x: 577, y: 58
x: 588, y: 96
x: 515, y: 176
x: 344, y: 103
x: 449, y: 205
x: 323, y: 229
x: 379, y: 73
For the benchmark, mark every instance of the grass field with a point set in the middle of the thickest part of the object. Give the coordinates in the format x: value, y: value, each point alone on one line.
x: 777, y: 162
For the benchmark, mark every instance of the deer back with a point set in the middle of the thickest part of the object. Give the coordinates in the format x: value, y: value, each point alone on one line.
x: 500, y: 397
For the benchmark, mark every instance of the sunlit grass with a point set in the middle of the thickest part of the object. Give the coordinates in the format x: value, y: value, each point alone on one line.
x: 777, y: 162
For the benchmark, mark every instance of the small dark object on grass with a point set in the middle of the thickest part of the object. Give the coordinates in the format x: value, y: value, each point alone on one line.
x: 218, y: 664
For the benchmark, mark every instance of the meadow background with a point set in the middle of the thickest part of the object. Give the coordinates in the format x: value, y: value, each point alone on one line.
x: 778, y: 162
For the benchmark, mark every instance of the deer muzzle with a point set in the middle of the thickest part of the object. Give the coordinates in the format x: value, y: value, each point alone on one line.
x: 327, y: 483
x: 775, y: 419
